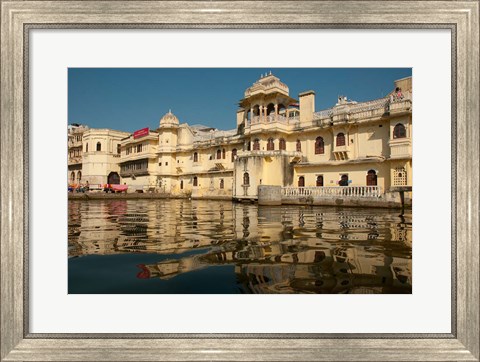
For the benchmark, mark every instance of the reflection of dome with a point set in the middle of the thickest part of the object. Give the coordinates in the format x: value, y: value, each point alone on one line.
x: 169, y: 119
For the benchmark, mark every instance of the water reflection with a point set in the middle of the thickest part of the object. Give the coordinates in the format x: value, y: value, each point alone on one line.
x: 181, y: 246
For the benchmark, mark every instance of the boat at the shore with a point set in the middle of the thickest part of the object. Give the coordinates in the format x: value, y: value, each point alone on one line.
x: 115, y: 188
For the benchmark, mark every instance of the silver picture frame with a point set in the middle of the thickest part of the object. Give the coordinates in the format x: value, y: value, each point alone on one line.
x: 19, y: 17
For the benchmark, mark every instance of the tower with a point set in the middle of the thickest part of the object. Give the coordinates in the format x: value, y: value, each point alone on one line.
x: 167, y: 144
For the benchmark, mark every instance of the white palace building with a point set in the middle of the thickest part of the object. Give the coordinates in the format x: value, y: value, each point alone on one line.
x: 281, y: 148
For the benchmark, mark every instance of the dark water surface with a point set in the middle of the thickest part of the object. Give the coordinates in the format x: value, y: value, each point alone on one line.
x: 182, y: 246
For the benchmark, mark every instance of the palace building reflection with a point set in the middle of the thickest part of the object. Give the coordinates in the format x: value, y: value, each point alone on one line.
x: 294, y: 249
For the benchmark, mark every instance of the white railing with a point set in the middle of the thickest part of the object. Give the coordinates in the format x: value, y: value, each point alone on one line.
x: 329, y: 191
x: 268, y: 119
x: 293, y: 119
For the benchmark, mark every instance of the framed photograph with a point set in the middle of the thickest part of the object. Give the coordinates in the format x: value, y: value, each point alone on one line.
x: 235, y: 180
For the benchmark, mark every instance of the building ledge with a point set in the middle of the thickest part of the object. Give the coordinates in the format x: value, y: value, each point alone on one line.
x: 342, y: 162
x: 258, y: 153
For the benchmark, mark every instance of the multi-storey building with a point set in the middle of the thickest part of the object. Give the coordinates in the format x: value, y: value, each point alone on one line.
x: 75, y: 152
x: 279, y: 141
x: 101, y: 156
x: 93, y: 155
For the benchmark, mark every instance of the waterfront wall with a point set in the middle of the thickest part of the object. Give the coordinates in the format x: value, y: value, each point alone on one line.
x: 268, y: 195
x: 273, y: 195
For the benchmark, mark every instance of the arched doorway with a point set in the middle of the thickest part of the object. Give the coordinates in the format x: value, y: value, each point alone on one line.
x: 301, y: 181
x: 371, y: 178
x: 319, y: 180
x: 113, y: 178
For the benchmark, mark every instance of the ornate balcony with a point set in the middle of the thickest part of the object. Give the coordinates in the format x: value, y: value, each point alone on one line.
x: 74, y: 160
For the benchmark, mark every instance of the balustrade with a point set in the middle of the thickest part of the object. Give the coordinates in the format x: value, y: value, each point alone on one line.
x: 268, y: 119
x: 329, y: 191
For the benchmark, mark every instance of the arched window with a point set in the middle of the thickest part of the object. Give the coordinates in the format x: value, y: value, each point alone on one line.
x: 195, y: 181
x: 340, y: 139
x: 79, y: 176
x: 319, y: 180
x: 234, y: 154
x: 282, y: 145
x: 181, y: 185
x: 256, y: 144
x: 246, y: 179
x: 301, y: 181
x: 72, y: 176
x: 219, y: 154
x: 195, y: 157
x: 270, y: 145
x: 299, y: 146
x: 223, y: 153
x: 119, y: 149
x: 319, y: 146
x: 371, y: 178
x: 99, y: 146
x: 86, y: 147
x: 399, y: 131
x: 222, y: 183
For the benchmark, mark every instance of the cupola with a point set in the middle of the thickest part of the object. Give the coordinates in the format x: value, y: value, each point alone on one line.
x: 169, y: 120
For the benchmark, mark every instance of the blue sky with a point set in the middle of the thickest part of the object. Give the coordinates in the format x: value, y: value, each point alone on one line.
x: 128, y: 99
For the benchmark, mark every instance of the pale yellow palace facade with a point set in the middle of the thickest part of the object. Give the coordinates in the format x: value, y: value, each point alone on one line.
x: 352, y: 148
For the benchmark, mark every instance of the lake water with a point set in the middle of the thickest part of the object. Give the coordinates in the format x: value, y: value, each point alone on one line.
x: 182, y: 246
